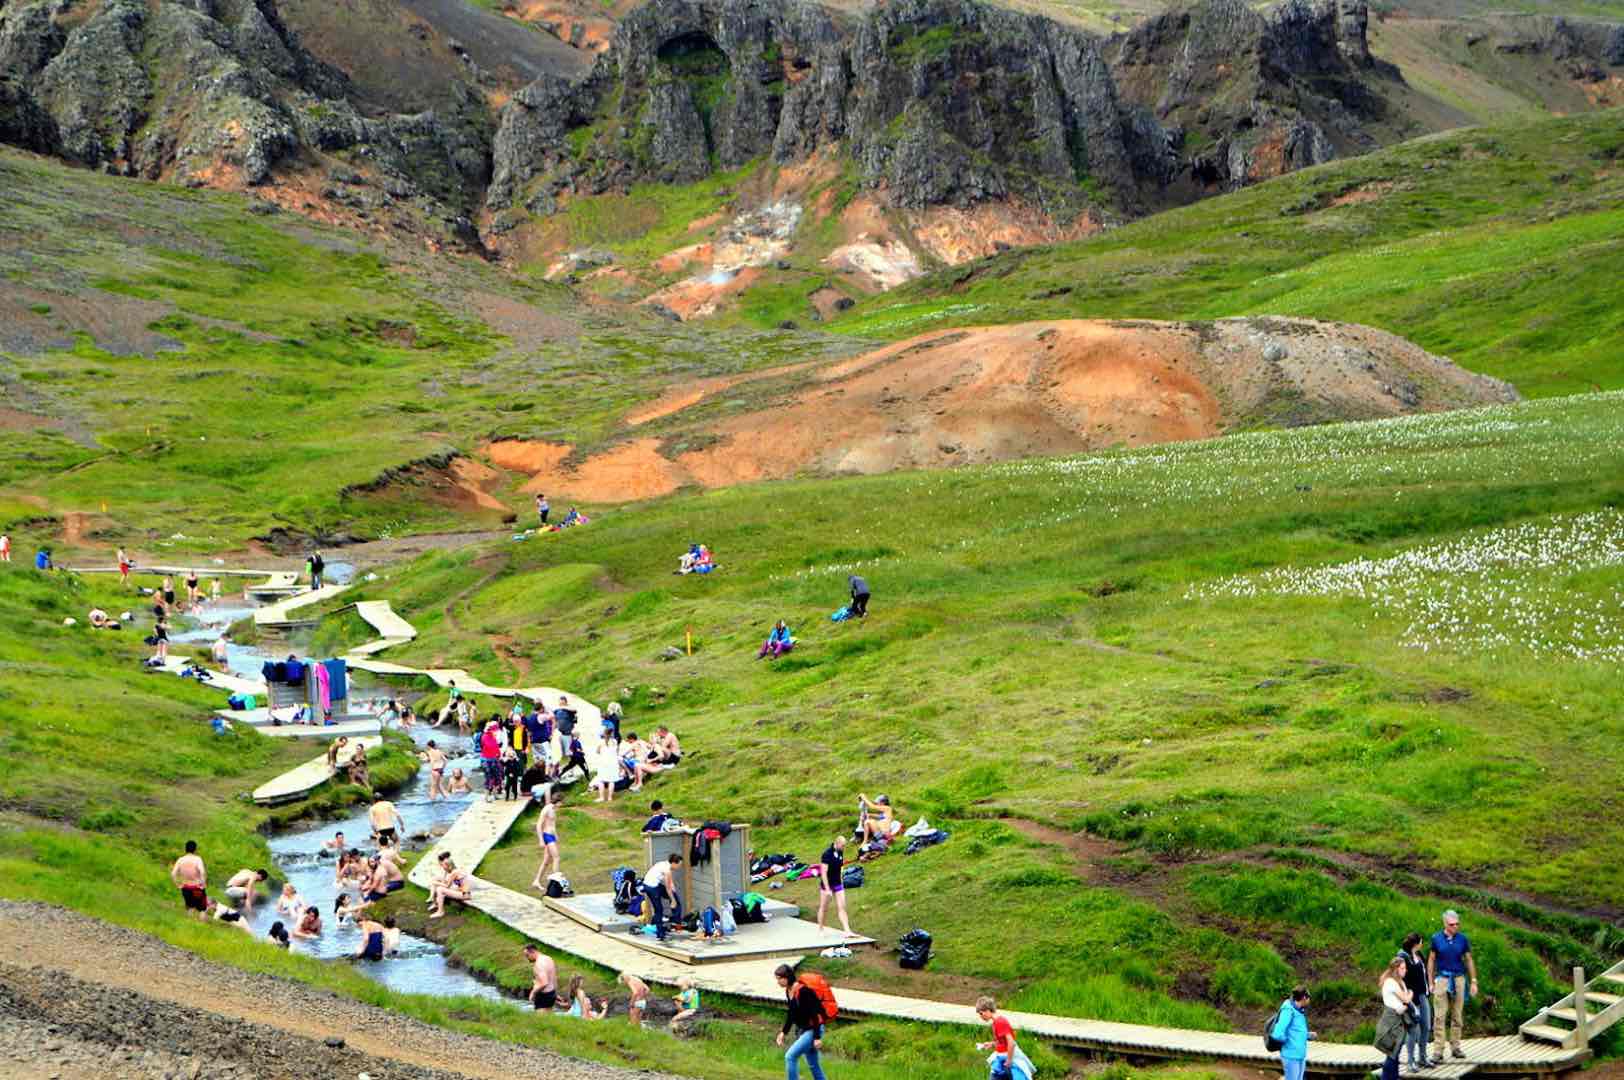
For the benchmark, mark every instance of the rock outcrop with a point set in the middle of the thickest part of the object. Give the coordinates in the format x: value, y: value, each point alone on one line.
x: 221, y: 93
x: 950, y: 102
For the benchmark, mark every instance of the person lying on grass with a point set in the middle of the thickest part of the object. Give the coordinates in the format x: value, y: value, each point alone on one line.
x: 779, y: 642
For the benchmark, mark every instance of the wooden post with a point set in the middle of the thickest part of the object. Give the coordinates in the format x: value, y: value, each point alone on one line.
x: 1581, y: 1030
x: 689, y: 633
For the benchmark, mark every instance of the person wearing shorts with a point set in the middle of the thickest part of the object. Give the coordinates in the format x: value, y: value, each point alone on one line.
x: 543, y: 979
x: 372, y: 945
x: 831, y: 885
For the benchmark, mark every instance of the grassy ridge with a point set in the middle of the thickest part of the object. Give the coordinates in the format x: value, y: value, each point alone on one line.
x: 1392, y: 643
x: 1498, y: 247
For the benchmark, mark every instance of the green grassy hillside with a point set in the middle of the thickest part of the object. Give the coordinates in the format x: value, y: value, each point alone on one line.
x: 1500, y: 247
x: 1202, y: 719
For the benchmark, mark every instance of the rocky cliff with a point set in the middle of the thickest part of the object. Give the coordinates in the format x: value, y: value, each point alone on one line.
x: 949, y: 101
x: 222, y: 93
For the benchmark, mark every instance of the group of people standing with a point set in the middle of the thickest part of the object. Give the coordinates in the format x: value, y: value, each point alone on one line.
x: 1423, y: 991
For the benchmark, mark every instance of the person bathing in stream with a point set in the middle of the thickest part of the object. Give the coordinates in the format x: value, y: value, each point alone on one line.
x: 309, y: 926
x: 547, y: 836
x: 458, y: 784
x: 386, y: 820
x: 581, y: 1004
x: 371, y: 947
x: 639, y: 996
x: 436, y: 760
x: 289, y: 903
x: 543, y: 979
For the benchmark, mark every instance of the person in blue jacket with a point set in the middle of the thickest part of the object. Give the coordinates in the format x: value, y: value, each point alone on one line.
x: 1291, y: 1031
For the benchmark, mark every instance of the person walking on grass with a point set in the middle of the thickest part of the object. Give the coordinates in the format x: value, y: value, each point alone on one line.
x: 5, y: 547
x: 1290, y: 1030
x: 832, y: 885
x: 859, y: 596
x: 191, y: 877
x: 1008, y: 1061
x: 1394, y: 1021
x: 547, y: 836
x: 804, y: 1012
x: 1453, y: 974
x: 1419, y: 1034
x: 123, y: 569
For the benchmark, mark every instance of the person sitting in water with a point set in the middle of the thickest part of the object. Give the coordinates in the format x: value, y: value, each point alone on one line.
x: 278, y: 935
x: 335, y: 844
x: 342, y: 908
x: 289, y: 902
x: 385, y: 879
x: 391, y: 937
x: 581, y: 1004
x: 458, y: 784
x: 309, y: 924
x: 779, y: 642
x: 371, y: 947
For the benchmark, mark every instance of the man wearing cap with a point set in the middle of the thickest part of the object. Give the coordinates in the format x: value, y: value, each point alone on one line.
x: 1454, y: 980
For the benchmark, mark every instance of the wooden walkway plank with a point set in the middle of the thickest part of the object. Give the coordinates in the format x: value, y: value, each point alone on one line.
x: 305, y: 778
x: 280, y: 613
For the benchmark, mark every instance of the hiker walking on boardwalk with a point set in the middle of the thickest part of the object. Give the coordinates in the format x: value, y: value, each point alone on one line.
x: 859, y: 596
x: 1454, y: 981
x: 316, y: 564
x: 1415, y: 981
x: 123, y: 568
x: 1290, y: 1030
x: 804, y: 1012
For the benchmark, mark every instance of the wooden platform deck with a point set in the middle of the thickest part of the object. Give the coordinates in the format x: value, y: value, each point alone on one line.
x: 281, y: 612
x: 351, y: 728
x: 596, y: 911
x: 280, y: 583
x: 300, y: 781
x: 220, y: 680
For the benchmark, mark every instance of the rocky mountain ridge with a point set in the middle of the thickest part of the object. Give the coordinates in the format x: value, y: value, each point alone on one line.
x: 922, y: 103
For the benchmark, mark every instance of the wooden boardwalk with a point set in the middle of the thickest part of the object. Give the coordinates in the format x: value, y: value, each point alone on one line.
x: 281, y: 612
x: 483, y: 824
x: 298, y: 782
x: 220, y: 680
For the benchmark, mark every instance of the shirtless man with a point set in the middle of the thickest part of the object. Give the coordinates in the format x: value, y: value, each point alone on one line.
x: 335, y: 844
x: 543, y: 979
x: 458, y: 784
x: 192, y: 879
x: 436, y: 761
x: 547, y: 837
x: 385, y: 879
x: 386, y: 823
x: 639, y: 999
x: 243, y: 886
x: 667, y: 750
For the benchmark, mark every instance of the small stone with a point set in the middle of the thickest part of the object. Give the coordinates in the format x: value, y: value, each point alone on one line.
x: 336, y: 1042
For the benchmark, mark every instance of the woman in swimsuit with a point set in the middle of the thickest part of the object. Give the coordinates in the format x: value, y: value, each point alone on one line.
x: 581, y: 1004
x: 169, y: 592
x: 456, y: 887
x: 192, y: 595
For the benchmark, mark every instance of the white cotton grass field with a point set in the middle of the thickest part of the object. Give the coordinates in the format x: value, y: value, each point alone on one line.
x: 1509, y: 587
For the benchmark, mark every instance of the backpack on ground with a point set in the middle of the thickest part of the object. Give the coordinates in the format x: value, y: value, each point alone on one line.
x: 852, y: 877
x: 624, y: 884
x: 558, y: 886
x: 1270, y: 1043
x: 913, y: 951
x: 826, y: 996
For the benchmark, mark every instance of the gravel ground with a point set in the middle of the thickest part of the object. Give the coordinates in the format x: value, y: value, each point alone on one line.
x: 83, y: 998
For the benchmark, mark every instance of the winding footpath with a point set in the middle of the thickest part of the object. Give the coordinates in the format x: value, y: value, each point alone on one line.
x: 481, y: 826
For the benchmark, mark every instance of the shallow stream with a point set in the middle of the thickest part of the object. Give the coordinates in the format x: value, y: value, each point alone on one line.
x: 420, y: 966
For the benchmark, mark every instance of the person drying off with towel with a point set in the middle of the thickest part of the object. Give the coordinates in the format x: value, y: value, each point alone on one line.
x: 779, y: 642
x: 859, y: 596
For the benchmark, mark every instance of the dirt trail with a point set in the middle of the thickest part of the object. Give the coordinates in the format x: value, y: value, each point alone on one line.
x: 144, y: 969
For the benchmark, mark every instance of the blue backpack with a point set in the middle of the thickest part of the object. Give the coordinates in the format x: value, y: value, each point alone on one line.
x: 842, y: 615
x: 625, y: 883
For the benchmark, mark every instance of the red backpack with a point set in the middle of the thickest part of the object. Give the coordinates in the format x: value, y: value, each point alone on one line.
x: 820, y: 986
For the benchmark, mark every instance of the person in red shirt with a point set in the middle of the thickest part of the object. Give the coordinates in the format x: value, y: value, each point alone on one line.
x: 1003, y: 1039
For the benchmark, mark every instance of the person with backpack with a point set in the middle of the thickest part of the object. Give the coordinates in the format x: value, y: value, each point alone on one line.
x: 859, y: 597
x: 1289, y: 1034
x: 809, y: 1006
